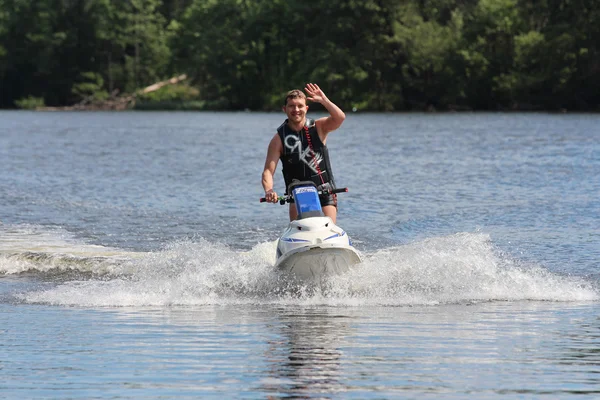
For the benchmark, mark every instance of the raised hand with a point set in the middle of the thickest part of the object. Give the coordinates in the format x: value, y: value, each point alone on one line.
x: 314, y: 93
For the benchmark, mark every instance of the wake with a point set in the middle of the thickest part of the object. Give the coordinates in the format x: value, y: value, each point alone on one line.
x: 456, y: 269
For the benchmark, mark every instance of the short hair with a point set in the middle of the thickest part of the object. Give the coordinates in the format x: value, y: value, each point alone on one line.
x: 294, y: 94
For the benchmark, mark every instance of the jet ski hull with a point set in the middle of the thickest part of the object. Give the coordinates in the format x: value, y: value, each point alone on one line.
x: 317, y: 261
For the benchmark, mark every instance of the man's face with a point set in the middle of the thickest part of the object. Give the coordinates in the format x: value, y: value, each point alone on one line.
x: 295, y: 109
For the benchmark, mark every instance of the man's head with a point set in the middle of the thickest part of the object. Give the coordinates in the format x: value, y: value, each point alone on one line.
x: 295, y: 106
x: 294, y: 94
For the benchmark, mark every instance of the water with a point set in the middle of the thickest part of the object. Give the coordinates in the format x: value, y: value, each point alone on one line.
x: 137, y: 262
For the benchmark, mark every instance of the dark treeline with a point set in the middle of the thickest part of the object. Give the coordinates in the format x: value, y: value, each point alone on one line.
x: 245, y: 54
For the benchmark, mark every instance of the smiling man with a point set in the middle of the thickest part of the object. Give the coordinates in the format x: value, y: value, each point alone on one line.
x: 300, y: 143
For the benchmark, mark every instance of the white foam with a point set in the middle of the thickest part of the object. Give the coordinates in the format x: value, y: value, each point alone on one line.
x: 463, y: 267
x: 32, y: 248
x: 454, y: 269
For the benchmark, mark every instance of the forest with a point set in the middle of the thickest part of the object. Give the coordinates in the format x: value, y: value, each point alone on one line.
x: 367, y: 55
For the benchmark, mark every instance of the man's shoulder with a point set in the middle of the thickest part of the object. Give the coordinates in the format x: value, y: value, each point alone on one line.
x: 281, y: 127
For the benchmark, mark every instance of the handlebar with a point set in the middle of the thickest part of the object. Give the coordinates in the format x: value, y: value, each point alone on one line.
x: 288, y: 197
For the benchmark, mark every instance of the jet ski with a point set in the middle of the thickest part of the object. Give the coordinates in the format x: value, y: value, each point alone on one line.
x: 312, y: 246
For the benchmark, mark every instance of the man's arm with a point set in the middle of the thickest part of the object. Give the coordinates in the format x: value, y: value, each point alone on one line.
x: 336, y: 115
x: 273, y: 154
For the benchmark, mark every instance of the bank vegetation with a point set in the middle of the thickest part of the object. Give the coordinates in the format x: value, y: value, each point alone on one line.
x: 379, y: 55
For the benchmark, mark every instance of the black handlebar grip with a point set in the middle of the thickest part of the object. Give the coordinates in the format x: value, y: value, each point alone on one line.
x: 340, y: 190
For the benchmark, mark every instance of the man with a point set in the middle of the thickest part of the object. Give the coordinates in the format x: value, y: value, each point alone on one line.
x: 300, y: 143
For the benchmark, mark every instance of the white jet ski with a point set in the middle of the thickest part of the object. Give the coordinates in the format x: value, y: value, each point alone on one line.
x: 313, y: 246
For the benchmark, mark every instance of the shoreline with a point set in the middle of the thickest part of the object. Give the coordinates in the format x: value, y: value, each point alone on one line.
x: 350, y: 112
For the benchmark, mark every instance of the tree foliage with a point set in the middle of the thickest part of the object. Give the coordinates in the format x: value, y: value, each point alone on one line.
x: 367, y: 54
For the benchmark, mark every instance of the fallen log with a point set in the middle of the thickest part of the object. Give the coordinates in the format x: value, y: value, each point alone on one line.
x: 115, y: 102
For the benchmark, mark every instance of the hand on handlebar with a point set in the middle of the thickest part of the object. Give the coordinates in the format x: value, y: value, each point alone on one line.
x: 271, y: 196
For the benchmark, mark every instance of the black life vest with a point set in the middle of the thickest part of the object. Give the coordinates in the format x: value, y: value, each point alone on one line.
x: 300, y: 156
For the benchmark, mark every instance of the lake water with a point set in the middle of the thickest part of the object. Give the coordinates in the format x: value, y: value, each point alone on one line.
x: 137, y: 262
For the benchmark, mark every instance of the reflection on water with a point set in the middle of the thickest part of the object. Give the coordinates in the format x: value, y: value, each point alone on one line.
x: 484, y: 351
x: 579, y: 345
x: 306, y: 359
x: 451, y: 351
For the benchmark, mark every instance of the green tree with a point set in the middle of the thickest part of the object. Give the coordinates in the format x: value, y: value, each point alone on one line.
x: 488, y: 51
x: 142, y: 38
x: 48, y: 44
x: 358, y: 57
x: 28, y: 42
x: 430, y: 72
x: 217, y: 48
